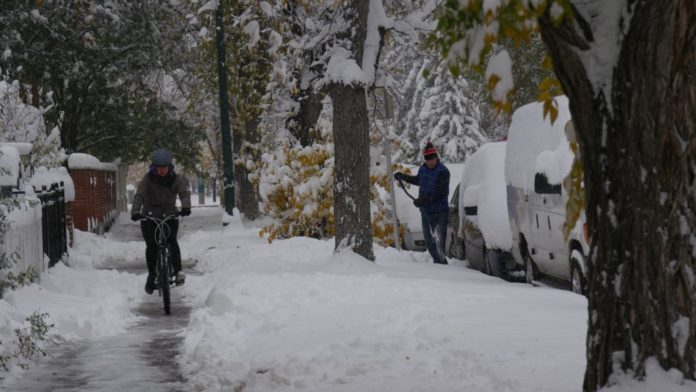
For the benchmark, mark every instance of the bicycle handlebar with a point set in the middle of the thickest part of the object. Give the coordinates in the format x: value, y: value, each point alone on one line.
x: 155, y: 219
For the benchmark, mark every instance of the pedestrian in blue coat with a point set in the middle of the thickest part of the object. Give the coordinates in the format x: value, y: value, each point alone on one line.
x: 433, y: 192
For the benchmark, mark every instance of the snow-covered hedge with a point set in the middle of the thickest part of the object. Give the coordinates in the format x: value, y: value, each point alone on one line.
x: 9, y: 166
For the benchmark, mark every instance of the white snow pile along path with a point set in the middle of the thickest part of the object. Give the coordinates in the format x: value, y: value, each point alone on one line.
x: 81, y: 302
x: 293, y: 315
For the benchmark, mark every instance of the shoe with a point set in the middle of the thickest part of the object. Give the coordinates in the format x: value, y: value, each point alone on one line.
x: 150, y: 285
x: 180, y: 278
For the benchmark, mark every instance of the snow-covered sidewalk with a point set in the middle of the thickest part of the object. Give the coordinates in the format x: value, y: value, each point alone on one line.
x: 293, y: 315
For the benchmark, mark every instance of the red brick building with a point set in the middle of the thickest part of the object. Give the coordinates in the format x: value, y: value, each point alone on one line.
x: 98, y: 197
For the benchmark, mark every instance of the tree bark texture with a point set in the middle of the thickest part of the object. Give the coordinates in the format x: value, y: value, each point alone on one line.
x: 306, y: 119
x: 639, y: 155
x: 352, y: 149
x: 247, y: 191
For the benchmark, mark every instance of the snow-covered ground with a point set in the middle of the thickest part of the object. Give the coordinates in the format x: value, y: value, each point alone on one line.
x: 293, y: 315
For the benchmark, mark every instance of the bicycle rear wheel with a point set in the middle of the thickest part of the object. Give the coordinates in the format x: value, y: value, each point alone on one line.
x: 163, y: 280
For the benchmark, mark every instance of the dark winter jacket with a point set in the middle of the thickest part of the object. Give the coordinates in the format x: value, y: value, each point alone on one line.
x: 433, y: 187
x: 157, y: 195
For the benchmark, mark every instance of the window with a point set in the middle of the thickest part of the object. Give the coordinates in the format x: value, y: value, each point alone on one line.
x: 542, y: 186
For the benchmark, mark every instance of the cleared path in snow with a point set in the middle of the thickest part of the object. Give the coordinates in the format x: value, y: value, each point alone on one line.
x: 143, y: 358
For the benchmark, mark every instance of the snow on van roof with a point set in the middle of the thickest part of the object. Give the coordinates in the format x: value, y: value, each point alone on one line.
x: 483, y: 186
x: 536, y: 145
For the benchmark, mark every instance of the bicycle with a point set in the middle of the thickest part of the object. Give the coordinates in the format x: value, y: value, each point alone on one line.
x: 164, y: 270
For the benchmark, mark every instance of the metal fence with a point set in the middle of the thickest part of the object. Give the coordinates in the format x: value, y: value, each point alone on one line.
x: 55, y: 244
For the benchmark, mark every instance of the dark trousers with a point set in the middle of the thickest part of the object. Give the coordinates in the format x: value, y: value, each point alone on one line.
x: 435, y: 234
x: 148, y: 229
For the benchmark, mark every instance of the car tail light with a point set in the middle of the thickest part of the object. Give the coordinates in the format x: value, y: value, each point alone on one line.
x: 585, y: 231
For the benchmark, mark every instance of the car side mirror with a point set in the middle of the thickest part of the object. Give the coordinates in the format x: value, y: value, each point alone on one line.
x: 542, y: 186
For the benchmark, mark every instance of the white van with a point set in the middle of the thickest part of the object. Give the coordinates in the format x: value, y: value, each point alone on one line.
x: 538, y: 160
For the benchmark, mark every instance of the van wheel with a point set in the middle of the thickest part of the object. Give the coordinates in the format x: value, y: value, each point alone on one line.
x: 487, y: 262
x: 578, y: 283
x: 530, y: 271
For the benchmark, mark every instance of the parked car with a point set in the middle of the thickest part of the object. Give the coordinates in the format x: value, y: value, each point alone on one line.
x: 538, y: 160
x: 409, y: 215
x: 483, y: 228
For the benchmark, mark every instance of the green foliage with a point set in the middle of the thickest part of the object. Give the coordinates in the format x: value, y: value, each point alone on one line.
x: 469, y: 32
x: 24, y: 278
x: 98, y: 68
x: 574, y: 184
x: 27, y: 346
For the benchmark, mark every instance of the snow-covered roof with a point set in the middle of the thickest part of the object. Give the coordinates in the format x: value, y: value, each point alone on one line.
x: 45, y: 177
x: 9, y: 165
x: 22, y: 148
x: 86, y: 161
x: 536, y: 145
x: 483, y: 186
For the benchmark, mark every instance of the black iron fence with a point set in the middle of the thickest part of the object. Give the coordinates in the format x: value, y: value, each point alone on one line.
x: 55, y: 244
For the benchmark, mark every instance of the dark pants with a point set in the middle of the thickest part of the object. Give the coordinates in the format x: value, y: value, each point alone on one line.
x: 435, y: 234
x: 148, y: 229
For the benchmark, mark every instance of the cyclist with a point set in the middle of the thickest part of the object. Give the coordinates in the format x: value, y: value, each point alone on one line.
x: 156, y: 196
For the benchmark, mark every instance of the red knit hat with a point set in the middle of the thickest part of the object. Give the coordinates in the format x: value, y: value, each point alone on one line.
x: 429, y: 150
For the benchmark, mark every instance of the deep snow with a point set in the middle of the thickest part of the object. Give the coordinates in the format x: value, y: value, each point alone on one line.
x: 293, y: 315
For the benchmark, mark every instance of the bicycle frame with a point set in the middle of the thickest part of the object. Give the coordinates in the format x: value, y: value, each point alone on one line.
x: 164, y: 269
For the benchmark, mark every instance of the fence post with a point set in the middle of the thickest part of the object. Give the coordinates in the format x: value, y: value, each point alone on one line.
x: 44, y: 223
x: 62, y: 237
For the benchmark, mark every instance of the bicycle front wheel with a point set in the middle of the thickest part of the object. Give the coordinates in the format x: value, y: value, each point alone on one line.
x: 163, y: 280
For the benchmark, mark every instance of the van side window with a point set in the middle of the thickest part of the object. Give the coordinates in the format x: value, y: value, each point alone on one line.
x: 542, y: 186
x: 471, y: 211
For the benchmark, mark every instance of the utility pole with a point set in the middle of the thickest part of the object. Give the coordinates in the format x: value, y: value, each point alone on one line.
x: 228, y: 173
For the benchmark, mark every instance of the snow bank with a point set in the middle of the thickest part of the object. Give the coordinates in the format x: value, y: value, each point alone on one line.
x: 9, y: 166
x: 94, y: 251
x: 536, y: 145
x: 80, y: 305
x: 45, y: 177
x: 86, y: 161
x: 483, y: 186
x: 656, y: 379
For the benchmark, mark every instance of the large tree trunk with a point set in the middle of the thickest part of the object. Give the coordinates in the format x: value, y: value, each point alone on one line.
x: 639, y: 156
x: 352, y: 150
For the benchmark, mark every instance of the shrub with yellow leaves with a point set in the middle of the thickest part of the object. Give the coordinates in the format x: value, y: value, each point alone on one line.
x: 297, y: 185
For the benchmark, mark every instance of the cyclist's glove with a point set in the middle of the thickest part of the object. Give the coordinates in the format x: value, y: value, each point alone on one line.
x: 136, y: 217
x: 185, y: 211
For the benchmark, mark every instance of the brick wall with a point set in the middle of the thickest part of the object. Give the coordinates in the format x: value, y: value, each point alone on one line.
x: 94, y: 208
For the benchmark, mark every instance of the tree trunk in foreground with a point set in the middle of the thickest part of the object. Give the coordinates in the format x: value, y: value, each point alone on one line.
x: 638, y: 139
x: 352, y: 150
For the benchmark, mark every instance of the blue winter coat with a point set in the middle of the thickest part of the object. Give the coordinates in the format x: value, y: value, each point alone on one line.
x: 433, y: 187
